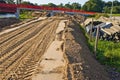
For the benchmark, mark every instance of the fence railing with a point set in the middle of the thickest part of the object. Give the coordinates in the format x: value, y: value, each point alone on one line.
x: 13, y: 8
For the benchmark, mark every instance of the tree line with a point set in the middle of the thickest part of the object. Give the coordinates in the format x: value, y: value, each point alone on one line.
x: 102, y: 6
x: 90, y: 5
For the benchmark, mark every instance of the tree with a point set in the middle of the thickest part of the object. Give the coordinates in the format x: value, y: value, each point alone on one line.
x: 116, y: 3
x: 27, y: 2
x: 93, y: 5
x: 61, y: 5
x: 7, y: 1
x: 2, y: 1
x: 116, y: 6
x: 106, y: 9
x: 51, y: 5
x: 10, y: 1
x: 68, y: 5
x: 19, y: 1
x: 76, y: 6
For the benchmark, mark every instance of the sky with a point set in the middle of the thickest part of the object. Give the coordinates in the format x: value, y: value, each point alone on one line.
x: 59, y: 1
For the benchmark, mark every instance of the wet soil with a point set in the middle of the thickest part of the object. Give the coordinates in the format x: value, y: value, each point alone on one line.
x: 7, y: 21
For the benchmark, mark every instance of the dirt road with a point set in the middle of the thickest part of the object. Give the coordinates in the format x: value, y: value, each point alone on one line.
x: 20, y: 50
x: 48, y: 50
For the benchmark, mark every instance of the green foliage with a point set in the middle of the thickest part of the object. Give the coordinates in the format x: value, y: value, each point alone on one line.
x: 26, y: 15
x: 100, y: 6
x: 2, y: 1
x: 108, y: 53
x: 115, y: 14
x: 19, y: 1
x: 116, y: 7
x: 68, y: 5
x: 93, y: 5
x: 97, y: 16
x: 106, y: 9
x: 76, y: 6
x: 115, y: 3
x: 61, y: 5
x: 10, y: 1
x: 52, y: 5
x: 27, y: 2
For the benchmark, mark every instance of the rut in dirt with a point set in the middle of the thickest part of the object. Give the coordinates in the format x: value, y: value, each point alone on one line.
x: 22, y: 48
x: 25, y: 52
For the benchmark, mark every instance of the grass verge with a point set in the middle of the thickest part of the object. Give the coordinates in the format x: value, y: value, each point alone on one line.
x: 108, y: 52
x: 116, y: 15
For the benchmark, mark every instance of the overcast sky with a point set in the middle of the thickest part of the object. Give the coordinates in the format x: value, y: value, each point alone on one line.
x: 59, y: 1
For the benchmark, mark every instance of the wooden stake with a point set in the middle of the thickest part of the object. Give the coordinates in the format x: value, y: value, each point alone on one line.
x: 96, y: 41
x: 91, y: 26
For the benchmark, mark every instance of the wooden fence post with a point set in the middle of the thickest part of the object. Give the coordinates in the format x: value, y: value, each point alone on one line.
x: 91, y: 26
x: 96, y: 40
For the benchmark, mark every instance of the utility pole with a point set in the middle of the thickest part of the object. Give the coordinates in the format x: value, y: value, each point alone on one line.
x: 18, y: 1
x: 111, y: 10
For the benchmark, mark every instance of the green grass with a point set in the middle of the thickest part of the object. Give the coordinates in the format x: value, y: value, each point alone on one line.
x: 25, y: 15
x: 115, y: 14
x: 108, y: 52
x: 98, y: 15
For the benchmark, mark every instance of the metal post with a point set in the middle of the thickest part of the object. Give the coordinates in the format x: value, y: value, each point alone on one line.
x: 18, y: 10
x: 17, y: 13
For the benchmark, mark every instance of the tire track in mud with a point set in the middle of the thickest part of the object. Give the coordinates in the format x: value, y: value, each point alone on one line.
x: 14, y: 39
x: 17, y: 37
x: 9, y: 36
x: 24, y: 51
x: 20, y: 40
x: 41, y: 48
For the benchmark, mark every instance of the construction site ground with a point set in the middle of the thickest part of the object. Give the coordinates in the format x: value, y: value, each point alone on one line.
x: 51, y: 48
x: 5, y: 22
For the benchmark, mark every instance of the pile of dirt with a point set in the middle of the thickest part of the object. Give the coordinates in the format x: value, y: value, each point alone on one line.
x: 82, y: 65
x: 8, y: 21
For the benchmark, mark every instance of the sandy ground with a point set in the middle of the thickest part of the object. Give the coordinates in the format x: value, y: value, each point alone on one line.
x: 21, y: 49
x: 53, y: 62
x: 48, y: 50
x: 9, y: 30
